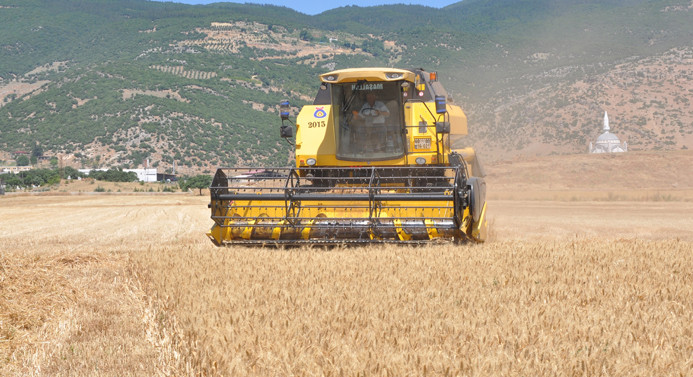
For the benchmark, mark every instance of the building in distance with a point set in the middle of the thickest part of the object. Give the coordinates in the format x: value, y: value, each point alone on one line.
x: 608, y: 142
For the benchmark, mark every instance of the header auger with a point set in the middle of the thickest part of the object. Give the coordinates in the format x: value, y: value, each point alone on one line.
x: 373, y: 165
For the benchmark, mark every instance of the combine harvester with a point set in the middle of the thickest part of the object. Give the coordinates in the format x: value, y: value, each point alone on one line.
x: 374, y: 164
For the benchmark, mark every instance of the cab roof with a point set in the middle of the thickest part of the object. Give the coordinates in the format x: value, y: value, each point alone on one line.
x: 369, y: 74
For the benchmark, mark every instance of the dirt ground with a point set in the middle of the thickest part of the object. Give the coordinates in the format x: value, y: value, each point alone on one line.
x: 521, y: 219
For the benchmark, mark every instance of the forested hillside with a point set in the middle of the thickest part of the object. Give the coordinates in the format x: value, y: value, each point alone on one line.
x: 113, y: 83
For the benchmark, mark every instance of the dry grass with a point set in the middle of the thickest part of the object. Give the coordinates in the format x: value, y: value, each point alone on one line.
x: 128, y: 285
x: 69, y: 313
x: 580, y: 307
x: 70, y: 304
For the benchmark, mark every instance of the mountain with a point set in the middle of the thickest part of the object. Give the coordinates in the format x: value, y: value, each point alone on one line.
x: 114, y: 83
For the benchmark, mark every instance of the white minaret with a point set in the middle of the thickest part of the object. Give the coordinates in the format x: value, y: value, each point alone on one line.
x: 606, y: 122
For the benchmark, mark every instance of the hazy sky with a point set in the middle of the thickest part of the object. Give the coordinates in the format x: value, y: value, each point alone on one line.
x: 314, y: 7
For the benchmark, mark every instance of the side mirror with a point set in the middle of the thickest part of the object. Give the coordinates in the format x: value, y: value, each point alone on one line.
x: 440, y: 105
x: 286, y: 131
x: 443, y: 127
x: 284, y: 109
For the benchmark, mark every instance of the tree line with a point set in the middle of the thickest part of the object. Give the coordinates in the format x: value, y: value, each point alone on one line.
x: 47, y: 177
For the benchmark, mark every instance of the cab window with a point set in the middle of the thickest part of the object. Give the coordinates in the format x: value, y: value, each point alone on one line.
x: 369, y: 118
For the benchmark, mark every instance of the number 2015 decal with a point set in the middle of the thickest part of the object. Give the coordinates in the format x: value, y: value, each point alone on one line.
x: 317, y: 124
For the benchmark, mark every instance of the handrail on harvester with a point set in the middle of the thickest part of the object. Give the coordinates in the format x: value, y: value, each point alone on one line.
x: 291, y: 188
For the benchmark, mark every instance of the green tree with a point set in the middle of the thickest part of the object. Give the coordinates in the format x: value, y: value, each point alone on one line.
x: 23, y: 160
x: 73, y: 173
x: 37, y: 151
x: 113, y: 175
x: 199, y: 182
x: 304, y: 35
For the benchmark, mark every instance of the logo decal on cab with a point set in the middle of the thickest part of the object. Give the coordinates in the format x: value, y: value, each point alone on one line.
x: 320, y: 112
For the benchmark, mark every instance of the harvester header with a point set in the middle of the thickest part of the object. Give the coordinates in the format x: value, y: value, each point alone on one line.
x: 373, y: 164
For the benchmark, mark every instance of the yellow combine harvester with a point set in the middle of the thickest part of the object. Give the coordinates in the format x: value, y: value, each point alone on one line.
x: 374, y: 164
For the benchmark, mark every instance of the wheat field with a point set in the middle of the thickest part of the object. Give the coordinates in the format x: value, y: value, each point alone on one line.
x: 122, y: 285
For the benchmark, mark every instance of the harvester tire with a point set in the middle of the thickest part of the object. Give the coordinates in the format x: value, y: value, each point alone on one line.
x: 477, y: 196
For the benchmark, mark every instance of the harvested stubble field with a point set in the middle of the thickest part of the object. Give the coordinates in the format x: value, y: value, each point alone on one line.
x: 128, y: 285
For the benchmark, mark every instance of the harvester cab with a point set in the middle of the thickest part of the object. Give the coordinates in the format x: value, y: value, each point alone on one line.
x: 374, y: 164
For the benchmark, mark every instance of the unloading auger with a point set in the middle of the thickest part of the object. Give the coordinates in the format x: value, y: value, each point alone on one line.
x: 373, y: 165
